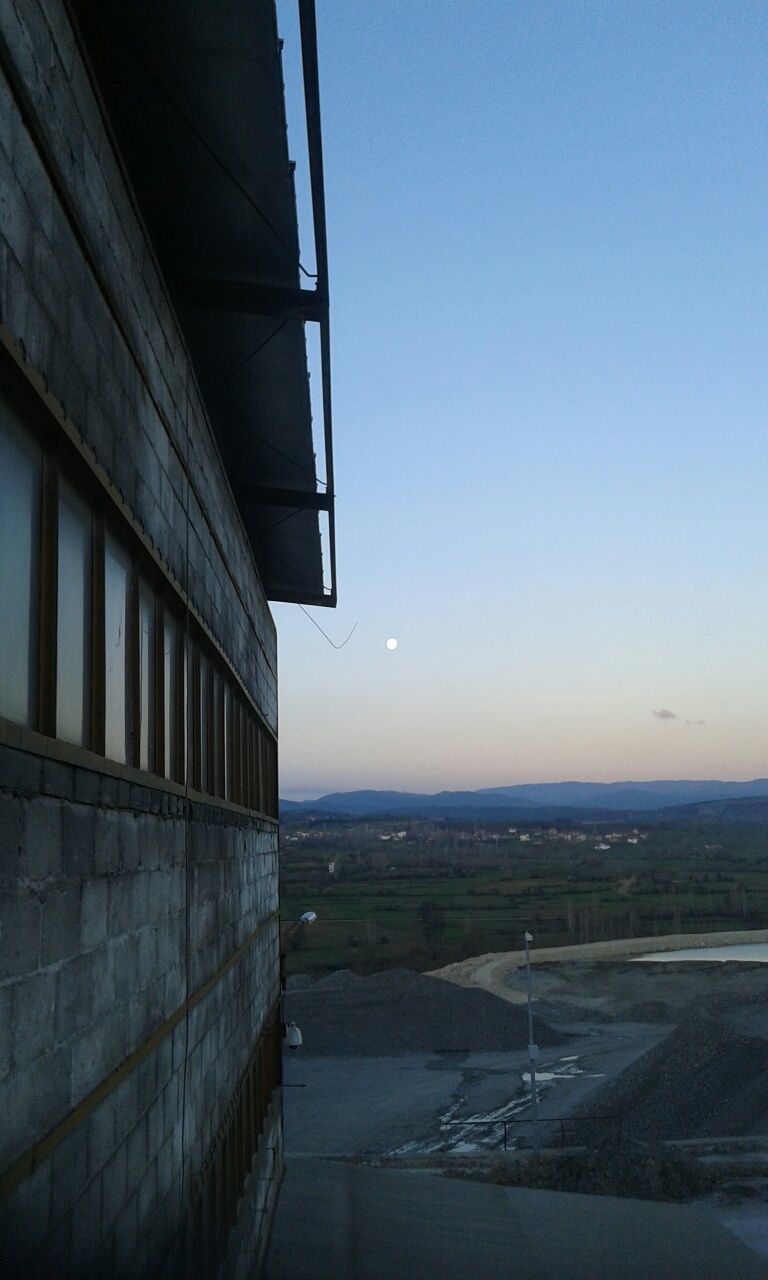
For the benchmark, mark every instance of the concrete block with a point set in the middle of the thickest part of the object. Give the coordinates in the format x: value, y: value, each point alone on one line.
x: 87, y: 786
x: 29, y: 1208
x: 87, y: 1227
x: 172, y: 1095
x: 57, y: 1250
x: 167, y: 1173
x: 58, y: 779
x: 15, y: 215
x: 147, y: 955
x: 40, y: 1094
x: 93, y: 912
x: 6, y: 1030
x: 164, y: 1055
x: 12, y: 839
x: 96, y: 1053
x: 115, y: 1184
x: 140, y: 894
x: 74, y: 996
x: 20, y: 771
x: 147, y: 1196
x: 126, y: 1101
x: 169, y: 1217
x: 127, y: 1238
x: 143, y: 1017
x: 103, y: 981
x: 101, y: 1135
x: 78, y: 831
x: 42, y: 848
x: 60, y: 925
x: 174, y: 987
x: 20, y: 919
x: 120, y: 917
x: 149, y: 842
x: 167, y: 950
x: 157, y: 904
x: 124, y: 952
x: 108, y: 788
x: 104, y: 1261
x: 136, y: 1147
x: 140, y: 799
x: 146, y: 1080
x: 177, y: 889
x: 128, y: 842
x: 34, y: 1010
x: 155, y: 1128
x: 106, y: 847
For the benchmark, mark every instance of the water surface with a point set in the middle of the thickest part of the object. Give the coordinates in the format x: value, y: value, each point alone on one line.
x: 737, y: 951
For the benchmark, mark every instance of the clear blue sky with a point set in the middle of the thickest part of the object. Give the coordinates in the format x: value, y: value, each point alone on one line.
x: 548, y: 280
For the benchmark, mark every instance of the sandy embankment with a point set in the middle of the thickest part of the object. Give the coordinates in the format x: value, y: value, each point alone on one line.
x: 490, y: 971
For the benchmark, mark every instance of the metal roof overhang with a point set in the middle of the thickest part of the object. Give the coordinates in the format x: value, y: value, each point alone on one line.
x: 194, y: 94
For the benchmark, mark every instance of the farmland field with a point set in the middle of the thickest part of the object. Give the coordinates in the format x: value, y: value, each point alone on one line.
x: 428, y: 893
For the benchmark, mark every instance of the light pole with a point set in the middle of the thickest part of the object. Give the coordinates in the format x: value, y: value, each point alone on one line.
x: 290, y: 1035
x: 289, y: 1032
x: 532, y: 1048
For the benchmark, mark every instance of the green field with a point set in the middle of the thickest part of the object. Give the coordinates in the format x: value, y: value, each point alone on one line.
x: 431, y: 897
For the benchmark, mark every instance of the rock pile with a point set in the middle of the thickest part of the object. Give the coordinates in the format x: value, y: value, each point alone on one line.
x: 399, y: 1011
x: 703, y: 1080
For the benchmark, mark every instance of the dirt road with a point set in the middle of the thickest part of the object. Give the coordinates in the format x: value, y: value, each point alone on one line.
x: 491, y: 971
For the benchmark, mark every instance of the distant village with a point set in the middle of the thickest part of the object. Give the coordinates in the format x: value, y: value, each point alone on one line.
x: 424, y: 833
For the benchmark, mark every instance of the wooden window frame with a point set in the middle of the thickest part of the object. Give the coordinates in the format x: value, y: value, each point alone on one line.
x: 98, y: 656
x: 237, y: 746
x: 160, y: 726
x: 47, y: 554
x: 133, y: 667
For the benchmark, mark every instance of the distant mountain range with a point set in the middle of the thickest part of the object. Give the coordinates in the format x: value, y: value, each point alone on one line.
x: 534, y: 800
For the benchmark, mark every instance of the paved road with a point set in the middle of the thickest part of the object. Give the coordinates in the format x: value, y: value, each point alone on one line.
x: 340, y: 1221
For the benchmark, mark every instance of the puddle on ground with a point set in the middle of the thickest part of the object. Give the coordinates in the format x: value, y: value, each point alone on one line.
x: 484, y: 1131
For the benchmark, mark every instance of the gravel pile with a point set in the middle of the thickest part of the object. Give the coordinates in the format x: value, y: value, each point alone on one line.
x: 398, y: 1011
x: 650, y: 1011
x: 703, y: 1080
x: 631, y: 1170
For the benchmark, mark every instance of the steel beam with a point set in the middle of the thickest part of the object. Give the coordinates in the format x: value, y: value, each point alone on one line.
x: 299, y: 499
x: 248, y: 297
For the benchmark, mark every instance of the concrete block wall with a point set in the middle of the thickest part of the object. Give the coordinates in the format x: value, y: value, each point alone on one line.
x: 248, y: 1240
x: 119, y: 901
x: 111, y: 915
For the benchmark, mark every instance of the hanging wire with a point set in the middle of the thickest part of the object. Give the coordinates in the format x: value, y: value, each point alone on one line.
x: 322, y: 633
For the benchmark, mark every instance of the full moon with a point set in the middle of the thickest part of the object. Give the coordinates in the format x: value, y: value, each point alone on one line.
x: 392, y: 643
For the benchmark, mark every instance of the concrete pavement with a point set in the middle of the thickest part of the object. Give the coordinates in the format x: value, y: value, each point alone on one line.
x: 338, y: 1221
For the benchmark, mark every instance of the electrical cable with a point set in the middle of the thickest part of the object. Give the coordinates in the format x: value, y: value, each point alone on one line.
x: 327, y: 637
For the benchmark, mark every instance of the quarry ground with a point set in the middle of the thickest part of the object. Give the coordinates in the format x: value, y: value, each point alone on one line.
x: 410, y: 1066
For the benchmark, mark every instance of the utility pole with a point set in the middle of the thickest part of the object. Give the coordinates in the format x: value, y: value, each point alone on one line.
x: 532, y: 1048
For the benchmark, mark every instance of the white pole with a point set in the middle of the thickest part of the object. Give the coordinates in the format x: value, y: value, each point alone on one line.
x: 532, y: 1048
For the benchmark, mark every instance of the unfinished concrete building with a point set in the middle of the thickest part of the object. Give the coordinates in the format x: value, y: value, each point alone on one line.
x: 157, y: 487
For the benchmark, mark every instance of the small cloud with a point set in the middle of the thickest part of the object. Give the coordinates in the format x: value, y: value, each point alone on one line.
x: 664, y: 714
x: 695, y: 722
